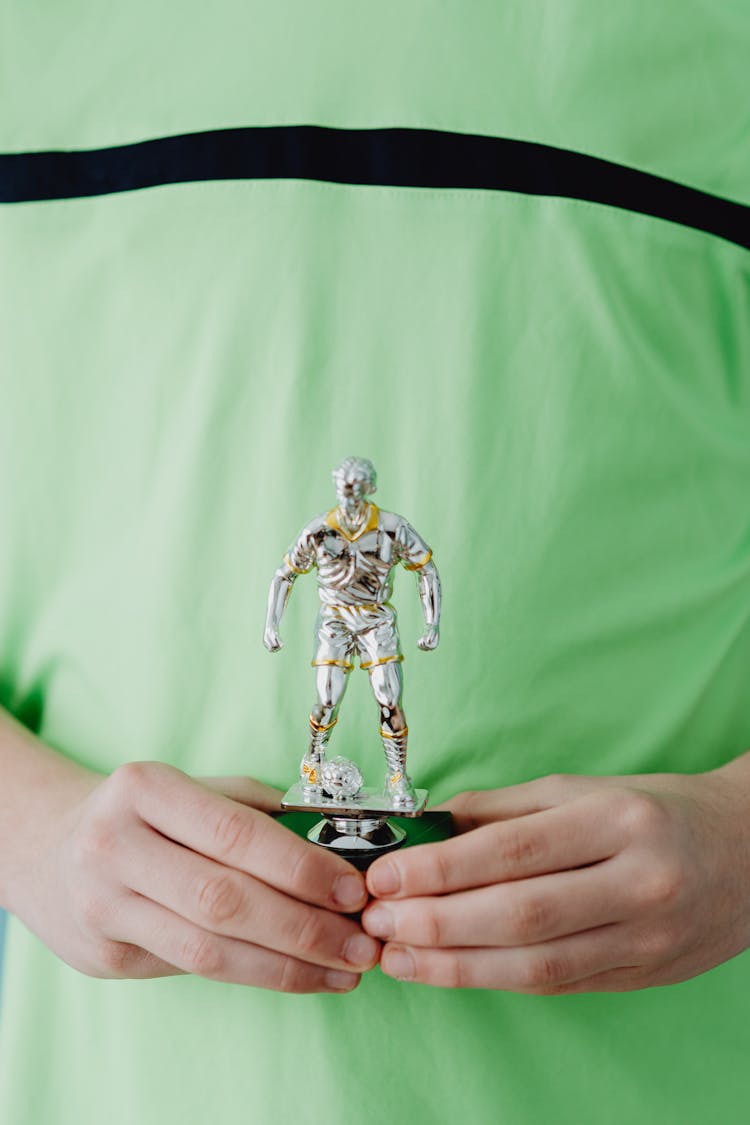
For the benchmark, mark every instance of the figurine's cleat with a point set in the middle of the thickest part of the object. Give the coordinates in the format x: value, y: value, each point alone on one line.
x: 399, y: 789
x: 310, y: 774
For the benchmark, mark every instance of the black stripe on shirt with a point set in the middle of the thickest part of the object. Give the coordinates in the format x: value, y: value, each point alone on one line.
x: 418, y: 158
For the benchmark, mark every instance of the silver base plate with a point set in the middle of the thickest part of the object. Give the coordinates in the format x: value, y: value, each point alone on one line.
x: 383, y: 838
x: 368, y: 805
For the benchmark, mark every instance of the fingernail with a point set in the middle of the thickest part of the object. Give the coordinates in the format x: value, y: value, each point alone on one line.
x: 340, y: 982
x: 361, y: 950
x: 379, y: 921
x: 348, y: 891
x: 398, y: 963
x: 384, y: 878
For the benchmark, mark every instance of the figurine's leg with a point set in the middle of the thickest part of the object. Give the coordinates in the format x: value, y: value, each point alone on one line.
x: 331, y: 680
x: 387, y: 685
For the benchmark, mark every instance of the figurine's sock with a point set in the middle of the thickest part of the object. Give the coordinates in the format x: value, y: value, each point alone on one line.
x: 312, y: 763
x: 320, y: 733
x: 394, y: 746
x: 398, y: 784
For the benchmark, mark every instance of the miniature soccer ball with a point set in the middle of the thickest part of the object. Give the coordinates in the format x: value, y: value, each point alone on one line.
x: 341, y: 779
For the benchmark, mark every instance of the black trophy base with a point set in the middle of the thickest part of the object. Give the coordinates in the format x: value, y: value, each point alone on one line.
x: 429, y: 828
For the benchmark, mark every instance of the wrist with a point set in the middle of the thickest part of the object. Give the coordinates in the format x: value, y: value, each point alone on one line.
x: 41, y: 790
x: 733, y: 781
x: 730, y: 787
x: 739, y: 766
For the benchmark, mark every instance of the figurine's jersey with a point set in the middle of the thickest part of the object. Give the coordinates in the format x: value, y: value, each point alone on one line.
x: 356, y: 569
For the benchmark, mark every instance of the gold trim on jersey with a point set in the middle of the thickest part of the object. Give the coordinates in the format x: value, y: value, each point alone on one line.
x: 347, y: 664
x: 370, y: 524
x: 295, y: 569
x: 357, y: 605
x: 383, y: 660
x: 418, y: 565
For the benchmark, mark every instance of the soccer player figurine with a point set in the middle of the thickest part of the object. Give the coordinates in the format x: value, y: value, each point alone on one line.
x: 355, y: 548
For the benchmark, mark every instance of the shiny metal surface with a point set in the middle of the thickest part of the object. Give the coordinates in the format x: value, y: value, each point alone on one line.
x: 382, y: 836
x: 354, y: 549
x: 369, y: 803
x: 341, y: 779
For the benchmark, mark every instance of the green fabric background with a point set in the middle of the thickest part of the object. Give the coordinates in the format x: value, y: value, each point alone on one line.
x: 556, y: 394
x: 659, y: 86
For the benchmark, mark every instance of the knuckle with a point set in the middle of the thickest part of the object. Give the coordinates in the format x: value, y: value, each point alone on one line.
x: 202, y: 956
x: 130, y: 777
x: 94, y: 843
x: 292, y: 976
x: 530, y: 917
x: 309, y: 933
x: 430, y: 928
x: 545, y: 972
x: 437, y: 869
x: 219, y: 899
x: 303, y: 869
x: 115, y: 957
x: 518, y: 846
x: 92, y: 910
x: 641, y: 814
x: 555, y: 782
x: 234, y: 832
x: 654, y: 943
x: 664, y: 885
x: 464, y: 805
x: 448, y: 972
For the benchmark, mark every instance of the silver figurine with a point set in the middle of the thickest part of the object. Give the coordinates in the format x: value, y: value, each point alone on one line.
x: 355, y: 548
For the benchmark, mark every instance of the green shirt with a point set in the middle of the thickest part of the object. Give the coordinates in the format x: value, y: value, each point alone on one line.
x: 555, y: 391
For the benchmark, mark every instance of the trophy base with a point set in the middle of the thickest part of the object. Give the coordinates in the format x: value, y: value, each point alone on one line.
x: 426, y: 829
x: 369, y: 804
x: 357, y: 828
x: 355, y: 839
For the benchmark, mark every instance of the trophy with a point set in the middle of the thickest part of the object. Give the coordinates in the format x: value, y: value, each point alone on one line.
x: 355, y: 547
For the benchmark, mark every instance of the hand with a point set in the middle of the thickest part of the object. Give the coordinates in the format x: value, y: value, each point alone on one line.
x: 573, y: 884
x: 272, y: 640
x: 151, y: 873
x: 430, y: 639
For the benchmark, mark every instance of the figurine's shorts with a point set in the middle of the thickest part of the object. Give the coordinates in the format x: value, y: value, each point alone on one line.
x: 369, y: 630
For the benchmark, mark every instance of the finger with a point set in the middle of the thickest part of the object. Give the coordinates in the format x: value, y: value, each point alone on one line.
x: 223, y: 900
x: 628, y: 978
x: 482, y: 806
x: 545, y: 969
x: 185, y: 811
x: 476, y: 807
x: 247, y: 791
x: 191, y: 949
x: 584, y: 831
x: 507, y: 914
x: 625, y: 979
x: 127, y: 960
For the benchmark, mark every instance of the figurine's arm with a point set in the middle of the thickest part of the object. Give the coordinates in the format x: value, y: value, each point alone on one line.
x: 278, y: 595
x: 417, y: 557
x: 299, y: 559
x: 428, y: 581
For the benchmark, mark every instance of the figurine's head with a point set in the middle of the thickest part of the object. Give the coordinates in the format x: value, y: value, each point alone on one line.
x: 355, y: 478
